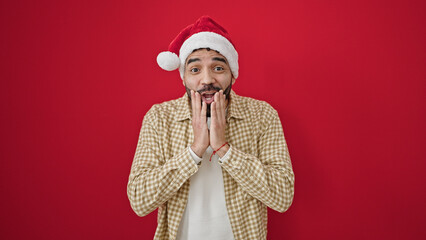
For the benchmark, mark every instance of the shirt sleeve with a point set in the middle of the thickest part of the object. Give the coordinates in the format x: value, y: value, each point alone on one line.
x: 225, y: 157
x: 269, y: 176
x: 196, y: 158
x: 153, y: 179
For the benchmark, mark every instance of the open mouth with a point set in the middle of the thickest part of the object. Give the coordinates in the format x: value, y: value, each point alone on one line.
x: 208, y: 97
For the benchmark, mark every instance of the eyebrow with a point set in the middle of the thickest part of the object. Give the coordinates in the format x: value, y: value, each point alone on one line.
x: 191, y: 60
x: 219, y: 59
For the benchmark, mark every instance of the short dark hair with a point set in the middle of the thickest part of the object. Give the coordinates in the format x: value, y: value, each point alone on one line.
x: 208, y: 49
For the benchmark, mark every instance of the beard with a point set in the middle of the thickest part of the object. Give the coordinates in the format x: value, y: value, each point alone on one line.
x: 210, y: 87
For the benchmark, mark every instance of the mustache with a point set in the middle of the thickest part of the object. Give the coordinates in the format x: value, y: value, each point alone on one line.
x: 209, y: 87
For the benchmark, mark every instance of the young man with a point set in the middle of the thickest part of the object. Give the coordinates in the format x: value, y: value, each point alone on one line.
x: 210, y: 161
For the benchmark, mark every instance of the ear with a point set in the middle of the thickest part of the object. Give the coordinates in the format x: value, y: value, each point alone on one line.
x: 233, y: 80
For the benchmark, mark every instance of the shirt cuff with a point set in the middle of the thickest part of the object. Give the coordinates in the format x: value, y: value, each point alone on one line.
x: 196, y: 158
x: 225, y: 157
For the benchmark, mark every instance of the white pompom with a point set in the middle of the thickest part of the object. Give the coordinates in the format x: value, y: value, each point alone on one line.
x: 168, y: 61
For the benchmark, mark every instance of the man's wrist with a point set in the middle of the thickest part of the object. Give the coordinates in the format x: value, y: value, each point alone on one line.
x: 223, y: 150
x: 198, y: 151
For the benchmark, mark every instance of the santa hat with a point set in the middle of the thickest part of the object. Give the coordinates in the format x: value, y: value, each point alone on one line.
x: 204, y: 33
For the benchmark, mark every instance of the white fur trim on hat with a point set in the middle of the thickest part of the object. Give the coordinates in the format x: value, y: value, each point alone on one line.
x: 168, y: 61
x: 213, y: 41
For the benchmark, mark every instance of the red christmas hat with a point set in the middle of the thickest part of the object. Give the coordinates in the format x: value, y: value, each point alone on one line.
x: 204, y: 33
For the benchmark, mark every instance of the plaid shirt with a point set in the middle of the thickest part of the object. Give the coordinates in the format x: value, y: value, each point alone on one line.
x: 258, y: 173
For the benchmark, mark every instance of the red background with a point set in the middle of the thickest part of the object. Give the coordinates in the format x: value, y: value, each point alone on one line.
x: 347, y: 78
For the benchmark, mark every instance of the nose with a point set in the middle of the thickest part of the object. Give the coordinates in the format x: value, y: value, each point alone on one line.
x: 207, y: 78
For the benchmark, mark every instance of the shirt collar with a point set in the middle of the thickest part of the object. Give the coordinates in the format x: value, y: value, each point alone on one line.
x: 184, y: 111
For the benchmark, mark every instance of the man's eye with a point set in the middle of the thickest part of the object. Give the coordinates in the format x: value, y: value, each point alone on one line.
x: 218, y: 68
x: 194, y: 70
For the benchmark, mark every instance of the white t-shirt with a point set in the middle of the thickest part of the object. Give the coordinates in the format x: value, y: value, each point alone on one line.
x: 205, y: 216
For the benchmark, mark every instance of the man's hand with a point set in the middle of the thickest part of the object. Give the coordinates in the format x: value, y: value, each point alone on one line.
x: 218, y: 123
x: 199, y: 125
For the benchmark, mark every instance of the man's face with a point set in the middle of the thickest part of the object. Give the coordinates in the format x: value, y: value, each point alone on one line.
x: 207, y: 72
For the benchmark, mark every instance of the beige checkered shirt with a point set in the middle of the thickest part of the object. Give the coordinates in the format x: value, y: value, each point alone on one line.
x: 258, y: 173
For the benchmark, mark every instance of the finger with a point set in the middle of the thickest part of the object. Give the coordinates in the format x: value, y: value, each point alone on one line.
x: 217, y: 96
x: 193, y: 103
x: 197, y: 104
x: 219, y: 105
x: 223, y: 107
x: 213, y: 113
x: 217, y: 102
x: 223, y: 98
x: 204, y: 113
